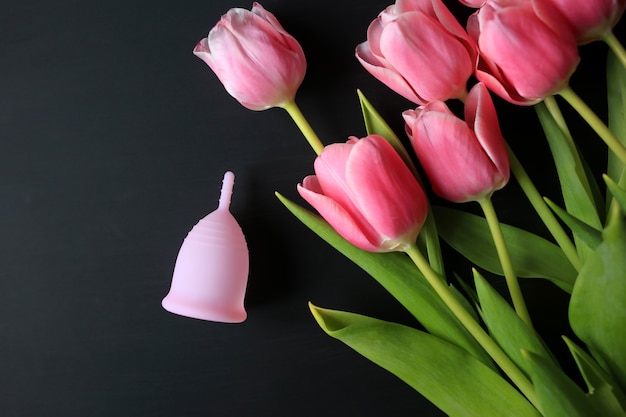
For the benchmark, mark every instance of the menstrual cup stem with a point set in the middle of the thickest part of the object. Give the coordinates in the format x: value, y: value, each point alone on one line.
x: 227, y: 190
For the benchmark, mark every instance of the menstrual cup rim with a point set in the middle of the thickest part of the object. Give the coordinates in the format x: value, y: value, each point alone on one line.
x: 203, y: 312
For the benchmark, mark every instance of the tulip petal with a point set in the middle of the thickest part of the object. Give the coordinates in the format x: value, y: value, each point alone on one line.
x: 481, y: 117
x: 433, y: 62
x: 378, y: 68
x: 386, y: 193
x: 330, y: 169
x: 289, y: 41
x: 537, y: 60
x: 338, y: 217
x: 455, y: 163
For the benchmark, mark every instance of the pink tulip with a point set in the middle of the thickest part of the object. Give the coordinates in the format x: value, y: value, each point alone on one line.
x: 419, y: 50
x: 259, y: 63
x: 589, y: 20
x: 367, y: 194
x: 464, y: 160
x: 522, y: 59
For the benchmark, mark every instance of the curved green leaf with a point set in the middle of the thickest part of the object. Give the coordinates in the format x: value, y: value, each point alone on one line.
x: 618, y: 192
x: 532, y: 256
x: 597, y: 310
x: 616, y: 99
x: 558, y: 394
x: 449, y: 377
x: 506, y: 327
x: 591, y: 236
x: 398, y: 275
x: 579, y: 191
x: 608, y: 399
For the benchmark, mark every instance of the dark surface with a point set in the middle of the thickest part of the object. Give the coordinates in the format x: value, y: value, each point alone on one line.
x: 113, y: 142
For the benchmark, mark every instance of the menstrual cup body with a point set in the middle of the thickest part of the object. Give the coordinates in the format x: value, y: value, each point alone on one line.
x: 211, y: 271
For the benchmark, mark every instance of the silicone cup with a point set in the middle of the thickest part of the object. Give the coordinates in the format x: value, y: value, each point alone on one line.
x: 211, y: 271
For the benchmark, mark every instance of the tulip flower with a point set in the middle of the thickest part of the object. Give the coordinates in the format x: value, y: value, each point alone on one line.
x: 257, y: 61
x: 367, y: 194
x: 522, y: 59
x: 589, y: 20
x: 419, y: 50
x: 464, y: 160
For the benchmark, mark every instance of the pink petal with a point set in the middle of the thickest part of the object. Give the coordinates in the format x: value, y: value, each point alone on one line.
x: 330, y: 170
x: 481, y: 117
x: 339, y: 219
x: 456, y: 165
x: 536, y: 60
x: 385, y: 191
x: 433, y: 62
x: 387, y: 76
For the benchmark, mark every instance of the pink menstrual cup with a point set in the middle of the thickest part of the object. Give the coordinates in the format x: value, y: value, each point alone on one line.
x: 211, y: 271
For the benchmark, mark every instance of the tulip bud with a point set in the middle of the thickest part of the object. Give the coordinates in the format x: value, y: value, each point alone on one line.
x: 257, y: 61
x: 589, y: 20
x: 522, y: 59
x: 464, y: 160
x: 419, y: 50
x: 367, y: 194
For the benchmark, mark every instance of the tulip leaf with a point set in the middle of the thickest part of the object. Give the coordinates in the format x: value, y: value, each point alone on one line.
x: 616, y: 99
x: 506, y: 327
x: 591, y: 236
x: 579, y: 191
x: 558, y: 395
x: 618, y: 192
x: 532, y: 255
x: 401, y: 278
x: 446, y: 375
x: 610, y: 399
x: 597, y: 311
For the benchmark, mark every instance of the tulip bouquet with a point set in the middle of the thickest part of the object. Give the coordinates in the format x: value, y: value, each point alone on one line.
x: 476, y: 353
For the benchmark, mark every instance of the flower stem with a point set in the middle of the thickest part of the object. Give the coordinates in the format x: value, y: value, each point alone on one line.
x: 304, y: 126
x: 472, y: 326
x: 618, y: 49
x: 595, y: 122
x: 505, y: 260
x: 544, y: 212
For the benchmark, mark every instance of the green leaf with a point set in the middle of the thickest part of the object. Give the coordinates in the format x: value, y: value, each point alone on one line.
x: 578, y: 191
x: 449, y: 377
x: 591, y: 236
x: 558, y: 395
x: 401, y: 278
x: 532, y: 256
x: 607, y: 397
x: 597, y: 310
x: 616, y: 98
x: 506, y: 327
x: 618, y: 192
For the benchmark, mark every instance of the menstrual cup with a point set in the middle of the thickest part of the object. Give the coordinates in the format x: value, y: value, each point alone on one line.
x: 211, y: 271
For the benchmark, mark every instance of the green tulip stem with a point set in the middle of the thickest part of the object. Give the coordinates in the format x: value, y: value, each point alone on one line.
x: 618, y: 49
x: 595, y: 122
x: 505, y: 260
x: 473, y: 327
x: 544, y: 212
x: 304, y: 126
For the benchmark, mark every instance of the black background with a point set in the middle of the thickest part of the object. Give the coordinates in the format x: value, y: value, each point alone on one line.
x: 113, y: 142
